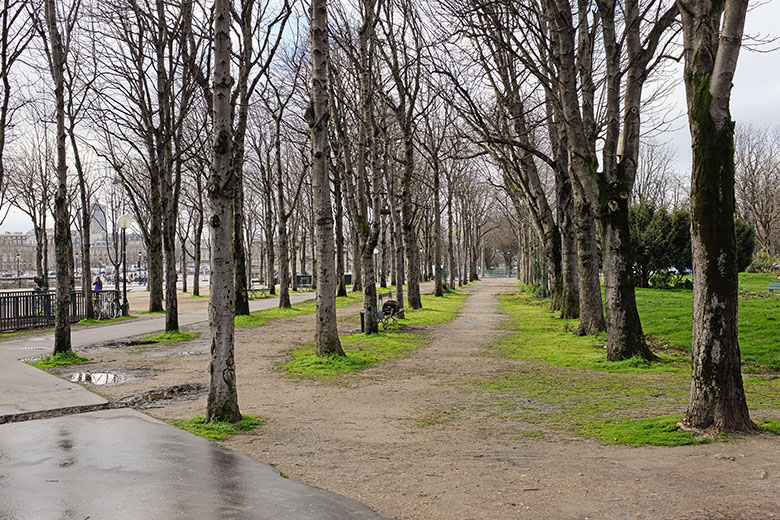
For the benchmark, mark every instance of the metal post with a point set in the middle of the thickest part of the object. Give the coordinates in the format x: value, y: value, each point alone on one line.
x: 124, y: 273
x: 18, y: 269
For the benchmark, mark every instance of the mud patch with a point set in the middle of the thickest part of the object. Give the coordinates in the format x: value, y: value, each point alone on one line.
x: 159, y: 397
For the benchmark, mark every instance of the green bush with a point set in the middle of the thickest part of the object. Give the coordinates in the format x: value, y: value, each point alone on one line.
x: 670, y: 280
x: 763, y: 262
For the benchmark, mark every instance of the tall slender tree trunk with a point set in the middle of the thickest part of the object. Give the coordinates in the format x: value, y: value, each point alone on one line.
x: 439, y: 290
x: 450, y: 243
x: 591, y: 307
x: 326, y: 337
x: 357, y: 271
x: 62, y: 240
x: 712, y: 33
x: 339, y: 202
x: 409, y: 233
x: 86, y: 225
x: 269, y: 244
x: 183, y: 259
x: 223, y: 393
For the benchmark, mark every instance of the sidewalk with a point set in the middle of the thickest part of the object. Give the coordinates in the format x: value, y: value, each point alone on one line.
x: 121, y: 463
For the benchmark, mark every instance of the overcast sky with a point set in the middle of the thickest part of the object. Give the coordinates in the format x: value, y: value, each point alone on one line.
x: 755, y: 97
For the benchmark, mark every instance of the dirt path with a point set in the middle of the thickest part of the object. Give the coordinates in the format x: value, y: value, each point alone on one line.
x: 415, y: 439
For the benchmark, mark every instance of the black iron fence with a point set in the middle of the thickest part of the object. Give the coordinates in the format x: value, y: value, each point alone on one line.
x: 29, y: 309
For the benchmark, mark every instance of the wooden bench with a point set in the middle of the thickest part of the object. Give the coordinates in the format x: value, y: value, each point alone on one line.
x: 773, y: 286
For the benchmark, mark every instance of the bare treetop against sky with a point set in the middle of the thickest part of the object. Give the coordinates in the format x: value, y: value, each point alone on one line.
x: 754, y: 97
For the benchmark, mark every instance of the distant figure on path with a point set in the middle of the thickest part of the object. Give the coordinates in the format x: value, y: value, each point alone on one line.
x: 97, y: 285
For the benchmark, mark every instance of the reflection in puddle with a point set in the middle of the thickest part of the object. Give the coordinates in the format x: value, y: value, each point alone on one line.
x: 96, y: 378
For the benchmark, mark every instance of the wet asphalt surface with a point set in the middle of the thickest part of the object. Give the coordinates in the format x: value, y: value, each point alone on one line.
x: 58, y: 462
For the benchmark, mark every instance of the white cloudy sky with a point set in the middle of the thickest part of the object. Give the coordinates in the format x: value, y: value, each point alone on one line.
x: 755, y: 98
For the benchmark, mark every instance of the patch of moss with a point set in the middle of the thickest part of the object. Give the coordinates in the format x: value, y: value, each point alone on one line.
x: 218, y: 430
x: 438, y: 417
x: 653, y: 431
x: 59, y: 360
x: 362, y: 351
x: 770, y: 426
x: 168, y: 337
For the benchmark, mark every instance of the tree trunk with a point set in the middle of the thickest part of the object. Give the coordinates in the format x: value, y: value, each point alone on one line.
x: 591, y: 308
x: 357, y: 271
x: 339, y: 202
x: 223, y: 394
x: 570, y: 293
x: 183, y: 258
x: 86, y: 221
x: 326, y: 336
x: 269, y: 245
x: 717, y: 398
x: 409, y: 234
x: 383, y: 250
x: 439, y: 290
x: 62, y: 241
x: 624, y: 330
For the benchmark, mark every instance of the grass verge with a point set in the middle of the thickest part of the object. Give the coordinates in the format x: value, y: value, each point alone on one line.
x: 653, y: 431
x: 88, y: 321
x: 28, y: 332
x: 59, y: 360
x: 258, y: 318
x: 218, y: 430
x: 367, y: 350
x: 565, y: 383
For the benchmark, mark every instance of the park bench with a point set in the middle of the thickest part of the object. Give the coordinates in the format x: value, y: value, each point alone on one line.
x: 255, y: 287
x: 773, y: 286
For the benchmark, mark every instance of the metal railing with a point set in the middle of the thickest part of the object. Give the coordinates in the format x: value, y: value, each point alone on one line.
x: 32, y: 308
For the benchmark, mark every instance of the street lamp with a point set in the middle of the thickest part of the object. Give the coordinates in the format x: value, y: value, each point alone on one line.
x: 18, y: 268
x: 124, y: 222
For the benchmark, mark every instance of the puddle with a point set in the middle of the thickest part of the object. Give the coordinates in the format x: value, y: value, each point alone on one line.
x: 96, y: 378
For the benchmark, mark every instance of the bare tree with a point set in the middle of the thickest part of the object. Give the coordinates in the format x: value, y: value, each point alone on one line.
x: 56, y: 54
x: 654, y: 175
x: 223, y: 394
x: 16, y: 31
x: 317, y: 115
x: 712, y: 34
x: 757, y: 178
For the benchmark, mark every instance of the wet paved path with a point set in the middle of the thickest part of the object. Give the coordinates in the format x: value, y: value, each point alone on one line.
x: 122, y: 464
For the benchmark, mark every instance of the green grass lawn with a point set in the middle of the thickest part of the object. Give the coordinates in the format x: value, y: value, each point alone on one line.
x: 668, y: 315
x: 568, y: 385
x: 262, y: 317
x: 364, y: 351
